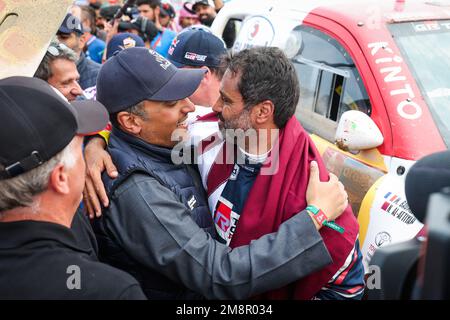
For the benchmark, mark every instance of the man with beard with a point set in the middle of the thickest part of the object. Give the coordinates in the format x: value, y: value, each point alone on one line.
x: 158, y: 226
x: 207, y: 11
x: 256, y: 172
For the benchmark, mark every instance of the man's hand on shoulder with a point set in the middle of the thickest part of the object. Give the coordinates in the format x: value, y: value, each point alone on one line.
x: 97, y: 161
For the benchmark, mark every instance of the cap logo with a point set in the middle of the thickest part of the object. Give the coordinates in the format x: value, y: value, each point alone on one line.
x: 163, y: 63
x: 195, y: 57
x: 129, y: 43
x: 173, y: 46
x: 72, y: 23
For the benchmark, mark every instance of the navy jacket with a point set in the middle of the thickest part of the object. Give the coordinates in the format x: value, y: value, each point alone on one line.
x: 88, y: 71
x: 132, y: 156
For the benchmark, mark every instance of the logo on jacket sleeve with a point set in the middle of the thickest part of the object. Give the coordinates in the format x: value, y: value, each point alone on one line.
x: 222, y: 216
x: 192, y: 203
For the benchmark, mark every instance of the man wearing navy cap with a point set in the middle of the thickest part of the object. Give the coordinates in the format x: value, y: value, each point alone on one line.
x: 71, y: 33
x: 41, y: 182
x: 199, y: 48
x: 158, y: 226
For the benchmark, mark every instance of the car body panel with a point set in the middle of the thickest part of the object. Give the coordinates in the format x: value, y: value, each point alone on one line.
x: 374, y: 178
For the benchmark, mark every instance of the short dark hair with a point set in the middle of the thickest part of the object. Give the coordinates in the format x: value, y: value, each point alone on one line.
x: 88, y: 13
x: 267, y: 74
x: 219, y: 71
x: 138, y: 110
x: 152, y: 3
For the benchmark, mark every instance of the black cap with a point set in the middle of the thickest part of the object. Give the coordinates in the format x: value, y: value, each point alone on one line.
x: 95, y: 5
x: 146, y: 28
x: 429, y: 175
x: 109, y: 12
x: 139, y: 74
x: 70, y: 25
x: 196, y: 47
x: 37, y: 123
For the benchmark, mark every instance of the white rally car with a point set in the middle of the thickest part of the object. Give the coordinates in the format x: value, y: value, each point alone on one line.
x: 375, y: 92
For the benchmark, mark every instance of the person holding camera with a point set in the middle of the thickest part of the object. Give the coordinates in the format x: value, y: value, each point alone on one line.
x: 153, y: 10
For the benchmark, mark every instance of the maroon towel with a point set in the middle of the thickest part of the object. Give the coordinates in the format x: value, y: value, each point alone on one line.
x: 276, y: 198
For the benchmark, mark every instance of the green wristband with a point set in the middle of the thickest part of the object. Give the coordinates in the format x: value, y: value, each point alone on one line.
x: 333, y: 225
x: 329, y: 224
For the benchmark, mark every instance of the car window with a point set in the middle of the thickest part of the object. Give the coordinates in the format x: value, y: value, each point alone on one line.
x: 330, y: 83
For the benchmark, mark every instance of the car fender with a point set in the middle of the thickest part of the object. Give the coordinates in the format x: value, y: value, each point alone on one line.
x: 385, y: 217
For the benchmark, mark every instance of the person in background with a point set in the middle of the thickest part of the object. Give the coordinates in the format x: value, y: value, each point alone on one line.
x: 121, y: 42
x: 94, y: 46
x: 106, y: 14
x: 118, y: 43
x: 207, y: 11
x: 200, y: 49
x: 58, y: 68
x: 96, y: 6
x: 151, y: 9
x: 167, y: 17
x: 142, y: 27
x: 71, y: 33
x: 187, y: 16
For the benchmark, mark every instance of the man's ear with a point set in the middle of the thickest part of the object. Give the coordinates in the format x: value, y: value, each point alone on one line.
x: 129, y: 122
x: 59, y: 180
x: 263, y: 113
x: 208, y: 74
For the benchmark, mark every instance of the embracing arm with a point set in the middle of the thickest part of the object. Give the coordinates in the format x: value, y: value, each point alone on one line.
x: 157, y: 230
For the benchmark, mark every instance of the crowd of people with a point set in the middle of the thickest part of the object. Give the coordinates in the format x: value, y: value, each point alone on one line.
x: 94, y: 203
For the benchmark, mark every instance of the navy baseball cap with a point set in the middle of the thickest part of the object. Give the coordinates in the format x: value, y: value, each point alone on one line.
x: 123, y: 41
x: 71, y: 24
x: 38, y: 122
x: 196, y: 47
x: 108, y: 12
x: 139, y: 74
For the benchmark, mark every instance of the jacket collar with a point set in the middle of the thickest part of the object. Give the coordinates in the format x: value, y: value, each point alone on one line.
x: 161, y: 153
x: 18, y: 234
